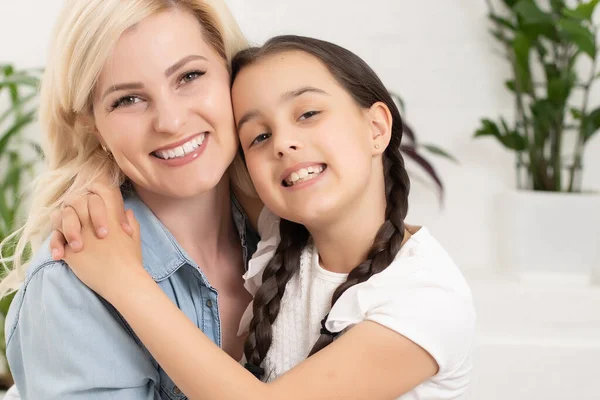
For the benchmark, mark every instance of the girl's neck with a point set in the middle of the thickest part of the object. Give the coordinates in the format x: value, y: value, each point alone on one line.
x: 202, y: 225
x: 343, y: 243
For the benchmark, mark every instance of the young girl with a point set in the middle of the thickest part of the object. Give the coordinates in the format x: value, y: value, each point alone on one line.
x: 376, y: 305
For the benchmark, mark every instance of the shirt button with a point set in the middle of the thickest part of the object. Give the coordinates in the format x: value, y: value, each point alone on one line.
x: 209, y: 303
x: 176, y: 390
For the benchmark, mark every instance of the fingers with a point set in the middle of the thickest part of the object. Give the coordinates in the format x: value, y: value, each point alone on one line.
x: 134, y: 225
x: 111, y: 196
x: 57, y: 245
x: 71, y: 228
x: 57, y: 239
x: 97, y: 210
x: 113, y: 201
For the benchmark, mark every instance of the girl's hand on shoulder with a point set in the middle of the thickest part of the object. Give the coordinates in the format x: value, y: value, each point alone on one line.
x: 67, y: 221
x: 108, y: 265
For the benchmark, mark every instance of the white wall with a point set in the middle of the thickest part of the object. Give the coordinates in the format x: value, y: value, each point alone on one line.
x: 436, y: 53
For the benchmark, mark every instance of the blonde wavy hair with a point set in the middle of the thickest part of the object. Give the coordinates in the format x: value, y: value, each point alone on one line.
x: 85, y: 34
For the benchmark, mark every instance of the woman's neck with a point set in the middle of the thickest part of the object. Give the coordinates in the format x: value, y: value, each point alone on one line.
x: 202, y: 225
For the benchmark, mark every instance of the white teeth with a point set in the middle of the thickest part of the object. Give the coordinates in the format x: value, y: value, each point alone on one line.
x: 179, y: 152
x: 304, y: 174
x: 182, y: 150
x: 188, y: 147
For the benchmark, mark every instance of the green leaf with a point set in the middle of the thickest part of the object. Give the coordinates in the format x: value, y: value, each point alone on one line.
x: 531, y: 14
x: 15, y: 128
x: 514, y: 141
x: 38, y: 149
x: 583, y: 11
x: 591, y: 124
x: 511, y: 140
x: 8, y: 69
x: 501, y: 37
x: 5, y: 212
x: 502, y: 22
x: 22, y: 103
x: 510, y: 3
x: 20, y: 79
x: 575, y: 113
x: 488, y: 128
x: 521, y: 48
x: 557, y: 5
x: 438, y: 151
x: 559, y: 88
x: 5, y: 303
x: 544, y: 115
x: 579, y: 35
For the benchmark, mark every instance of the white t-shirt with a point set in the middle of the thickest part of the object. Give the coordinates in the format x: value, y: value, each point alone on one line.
x: 422, y: 295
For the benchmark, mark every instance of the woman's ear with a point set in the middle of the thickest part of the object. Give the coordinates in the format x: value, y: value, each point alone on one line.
x: 380, y: 121
x: 87, y: 120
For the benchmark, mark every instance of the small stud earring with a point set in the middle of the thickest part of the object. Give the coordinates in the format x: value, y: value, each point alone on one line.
x: 108, y: 153
x: 377, y: 146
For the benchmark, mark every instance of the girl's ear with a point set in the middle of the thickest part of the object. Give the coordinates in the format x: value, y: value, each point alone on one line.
x: 380, y: 121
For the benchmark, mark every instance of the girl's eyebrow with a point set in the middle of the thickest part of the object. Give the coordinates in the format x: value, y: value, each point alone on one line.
x: 287, y: 96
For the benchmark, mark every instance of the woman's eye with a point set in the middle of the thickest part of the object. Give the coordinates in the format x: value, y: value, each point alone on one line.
x: 191, y: 76
x: 308, y: 114
x: 260, y: 138
x: 125, y: 101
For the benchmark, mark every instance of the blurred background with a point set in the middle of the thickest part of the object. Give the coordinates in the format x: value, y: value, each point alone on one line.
x: 526, y: 245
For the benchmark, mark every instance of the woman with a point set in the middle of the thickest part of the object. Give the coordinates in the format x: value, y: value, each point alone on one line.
x: 171, y: 151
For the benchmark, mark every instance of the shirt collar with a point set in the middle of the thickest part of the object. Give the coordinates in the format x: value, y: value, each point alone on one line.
x: 162, y: 255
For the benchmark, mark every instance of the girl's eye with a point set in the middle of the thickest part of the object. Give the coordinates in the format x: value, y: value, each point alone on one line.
x: 125, y: 101
x: 260, y: 138
x: 190, y: 76
x: 309, y: 114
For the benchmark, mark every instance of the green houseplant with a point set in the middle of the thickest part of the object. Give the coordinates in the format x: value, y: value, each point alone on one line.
x: 18, y: 106
x: 543, y: 48
x: 552, y: 51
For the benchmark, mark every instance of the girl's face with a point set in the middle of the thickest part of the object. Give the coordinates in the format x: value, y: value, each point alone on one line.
x: 162, y: 106
x: 310, y: 149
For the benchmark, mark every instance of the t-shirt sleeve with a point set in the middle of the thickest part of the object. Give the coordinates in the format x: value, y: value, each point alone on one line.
x: 440, y: 321
x: 430, y: 306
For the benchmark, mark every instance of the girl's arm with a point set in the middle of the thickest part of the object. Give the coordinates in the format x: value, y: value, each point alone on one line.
x: 368, y: 362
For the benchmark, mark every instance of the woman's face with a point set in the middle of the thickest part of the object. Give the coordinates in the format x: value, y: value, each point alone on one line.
x: 162, y: 107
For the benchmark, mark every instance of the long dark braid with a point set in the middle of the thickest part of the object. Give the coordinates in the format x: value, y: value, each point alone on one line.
x: 388, y: 239
x: 361, y: 82
x: 267, y: 301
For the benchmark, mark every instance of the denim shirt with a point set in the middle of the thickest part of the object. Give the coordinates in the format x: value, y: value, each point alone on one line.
x: 65, y: 342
